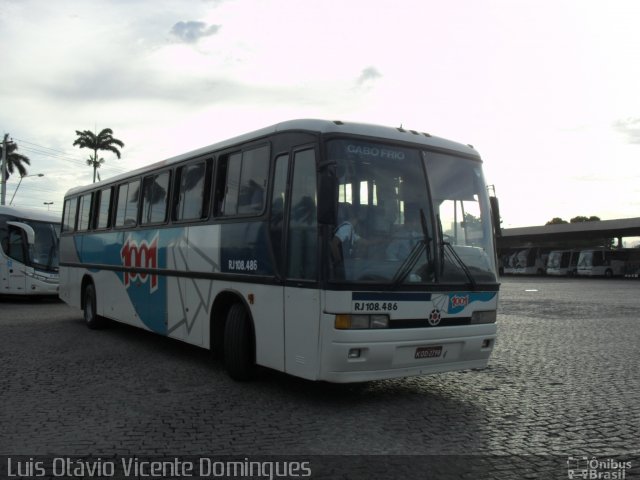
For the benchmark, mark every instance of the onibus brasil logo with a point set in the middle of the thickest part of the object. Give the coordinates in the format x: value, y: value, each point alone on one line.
x: 140, y: 254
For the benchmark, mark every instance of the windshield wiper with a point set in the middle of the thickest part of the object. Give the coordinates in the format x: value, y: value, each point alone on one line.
x: 425, y: 234
x: 409, y: 262
x: 454, y: 254
x: 460, y: 262
x: 415, y: 253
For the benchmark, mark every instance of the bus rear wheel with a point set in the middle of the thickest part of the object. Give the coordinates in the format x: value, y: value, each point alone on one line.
x: 239, y: 344
x: 91, y: 317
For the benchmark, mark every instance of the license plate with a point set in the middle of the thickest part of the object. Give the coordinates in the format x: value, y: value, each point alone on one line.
x: 428, y: 352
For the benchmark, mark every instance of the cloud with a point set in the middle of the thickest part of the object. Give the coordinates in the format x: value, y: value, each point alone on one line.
x: 191, y: 32
x: 630, y: 127
x: 368, y: 74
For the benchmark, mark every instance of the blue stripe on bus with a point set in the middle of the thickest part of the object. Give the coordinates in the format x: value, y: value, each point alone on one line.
x: 391, y: 296
x: 458, y: 301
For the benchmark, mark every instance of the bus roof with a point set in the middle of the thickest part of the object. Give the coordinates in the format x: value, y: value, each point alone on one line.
x: 306, y: 125
x: 29, y: 214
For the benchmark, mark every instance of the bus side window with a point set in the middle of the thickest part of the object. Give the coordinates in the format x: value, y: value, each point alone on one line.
x: 127, y: 208
x: 228, y: 184
x: 278, y: 206
x: 69, y: 218
x: 190, y: 198
x: 155, y: 193
x: 303, y: 228
x: 241, y: 182
x: 84, y: 212
x: 219, y: 188
x: 104, y: 202
x: 253, y: 180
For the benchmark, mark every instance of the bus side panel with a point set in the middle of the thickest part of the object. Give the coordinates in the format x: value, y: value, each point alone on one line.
x: 124, y: 295
x: 302, y: 331
x: 69, y: 276
x: 232, y: 249
x: 190, y: 299
x: 112, y: 299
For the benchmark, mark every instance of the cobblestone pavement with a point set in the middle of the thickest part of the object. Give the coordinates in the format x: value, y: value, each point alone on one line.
x: 563, y: 381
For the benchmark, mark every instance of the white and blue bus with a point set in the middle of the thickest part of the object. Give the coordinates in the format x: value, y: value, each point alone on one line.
x: 29, y: 252
x: 324, y: 249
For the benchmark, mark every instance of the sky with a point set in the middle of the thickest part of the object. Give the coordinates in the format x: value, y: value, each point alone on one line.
x: 547, y: 91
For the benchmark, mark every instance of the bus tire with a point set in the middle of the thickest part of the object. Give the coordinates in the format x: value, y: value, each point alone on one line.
x: 91, y: 317
x: 239, y: 344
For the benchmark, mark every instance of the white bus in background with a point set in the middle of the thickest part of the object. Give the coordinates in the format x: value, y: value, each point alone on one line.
x: 563, y: 262
x: 29, y: 252
x: 604, y: 262
x: 311, y: 247
x: 632, y: 269
x: 529, y: 261
x: 508, y: 261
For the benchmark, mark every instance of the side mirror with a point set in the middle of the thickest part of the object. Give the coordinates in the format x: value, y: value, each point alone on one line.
x: 27, y: 229
x: 495, y: 215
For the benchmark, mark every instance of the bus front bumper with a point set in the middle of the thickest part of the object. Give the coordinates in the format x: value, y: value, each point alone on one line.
x: 408, y: 352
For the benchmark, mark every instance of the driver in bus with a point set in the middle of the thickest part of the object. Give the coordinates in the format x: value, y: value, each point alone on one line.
x: 345, y: 237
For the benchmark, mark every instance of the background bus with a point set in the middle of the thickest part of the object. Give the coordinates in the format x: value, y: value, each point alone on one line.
x: 527, y: 261
x: 312, y: 247
x: 29, y: 253
x: 605, y: 263
x: 563, y: 262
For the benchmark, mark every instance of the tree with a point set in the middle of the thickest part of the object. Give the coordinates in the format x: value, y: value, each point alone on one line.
x: 582, y: 218
x: 11, y: 161
x: 556, y: 221
x: 15, y: 161
x: 103, y: 141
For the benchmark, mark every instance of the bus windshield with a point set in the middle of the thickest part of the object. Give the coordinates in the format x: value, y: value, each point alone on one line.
x: 461, y: 206
x: 389, y: 230
x: 557, y: 259
x: 44, y: 255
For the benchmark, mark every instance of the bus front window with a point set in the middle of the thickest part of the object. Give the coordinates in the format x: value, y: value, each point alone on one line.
x: 389, y: 230
x: 462, y: 211
x: 382, y: 194
x: 45, y: 248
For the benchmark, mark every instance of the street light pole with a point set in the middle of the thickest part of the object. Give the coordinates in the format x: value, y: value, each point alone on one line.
x: 48, y: 204
x: 21, y: 177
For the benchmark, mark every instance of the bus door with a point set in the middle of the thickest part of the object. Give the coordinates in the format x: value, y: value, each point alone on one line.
x: 11, y: 264
x: 14, y: 275
x: 300, y: 267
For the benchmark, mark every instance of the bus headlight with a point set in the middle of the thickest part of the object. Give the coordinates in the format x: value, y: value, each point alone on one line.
x: 350, y: 322
x: 488, y: 316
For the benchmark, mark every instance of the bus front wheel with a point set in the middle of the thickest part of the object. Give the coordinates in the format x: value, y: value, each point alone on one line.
x: 239, y: 344
x: 91, y: 317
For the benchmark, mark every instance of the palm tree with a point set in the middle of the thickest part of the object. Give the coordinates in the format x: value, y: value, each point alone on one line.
x: 13, y: 161
x: 103, y: 141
